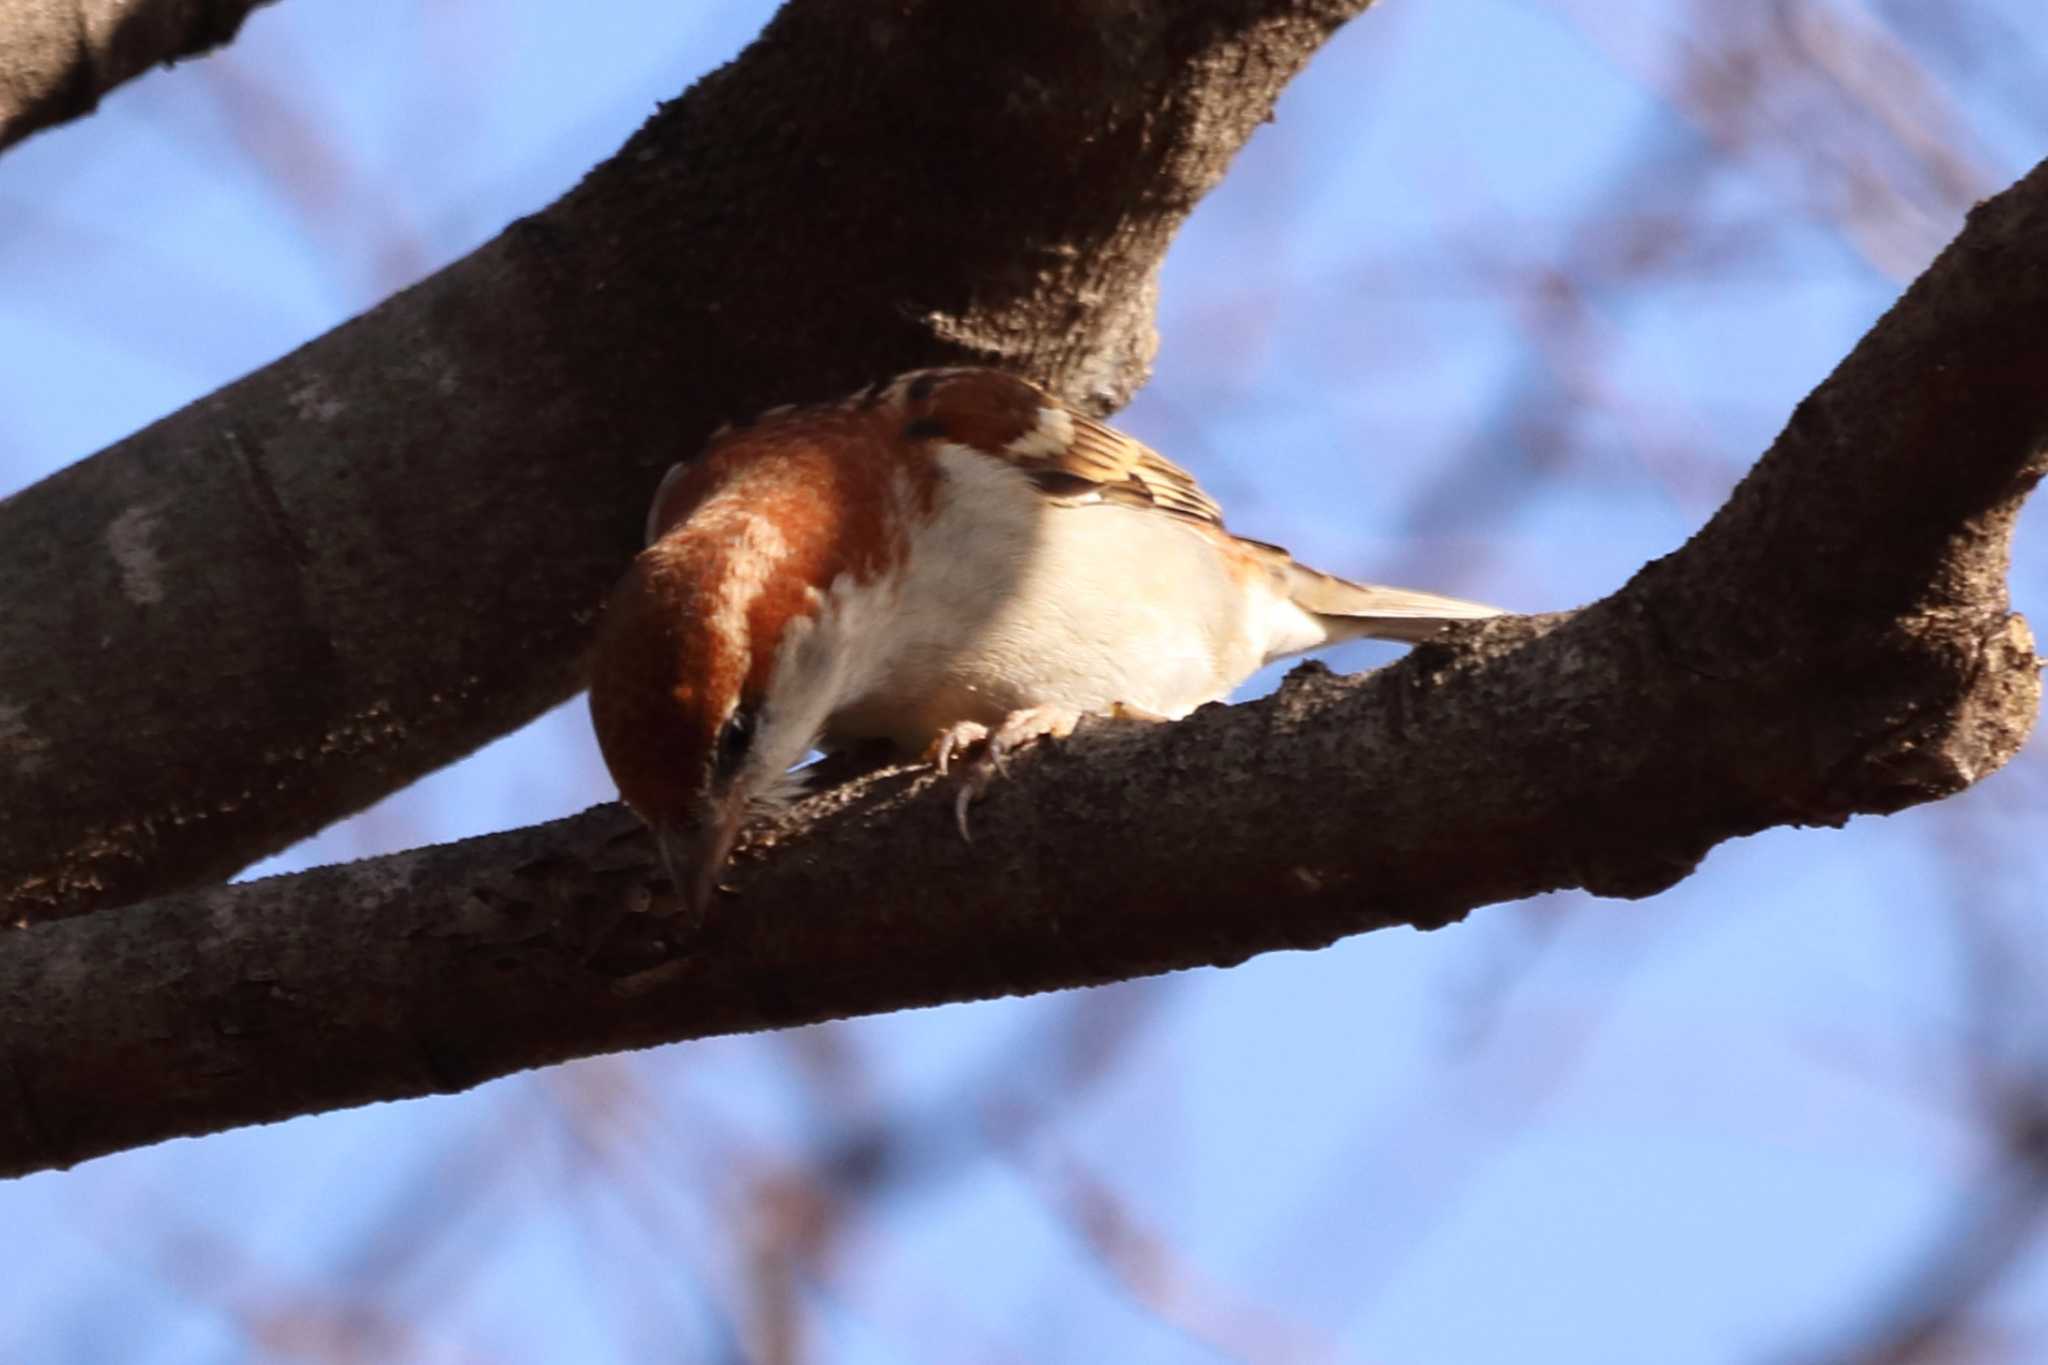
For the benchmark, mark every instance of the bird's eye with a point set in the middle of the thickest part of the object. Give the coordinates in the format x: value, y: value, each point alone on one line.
x: 734, y: 739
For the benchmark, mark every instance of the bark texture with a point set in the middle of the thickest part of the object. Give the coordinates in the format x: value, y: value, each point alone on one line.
x: 58, y: 57
x: 359, y: 563
x: 1836, y: 641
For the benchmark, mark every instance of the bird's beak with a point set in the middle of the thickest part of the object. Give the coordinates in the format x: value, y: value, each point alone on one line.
x: 695, y: 854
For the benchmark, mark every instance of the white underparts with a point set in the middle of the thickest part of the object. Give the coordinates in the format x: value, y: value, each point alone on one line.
x: 1010, y: 601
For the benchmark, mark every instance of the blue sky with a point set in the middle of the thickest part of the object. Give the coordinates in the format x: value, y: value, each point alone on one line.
x: 1499, y: 305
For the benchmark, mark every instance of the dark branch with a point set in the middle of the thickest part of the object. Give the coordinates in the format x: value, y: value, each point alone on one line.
x: 375, y: 554
x: 59, y: 57
x: 1835, y: 642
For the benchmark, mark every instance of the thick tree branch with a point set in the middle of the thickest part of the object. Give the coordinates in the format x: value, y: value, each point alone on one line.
x: 1835, y: 641
x: 359, y: 563
x: 58, y: 57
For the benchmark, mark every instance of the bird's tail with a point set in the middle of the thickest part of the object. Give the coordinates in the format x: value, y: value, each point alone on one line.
x: 1352, y: 611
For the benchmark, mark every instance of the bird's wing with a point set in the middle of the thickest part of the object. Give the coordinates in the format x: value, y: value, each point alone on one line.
x: 1118, y: 468
x: 1075, y: 460
x: 1072, y: 458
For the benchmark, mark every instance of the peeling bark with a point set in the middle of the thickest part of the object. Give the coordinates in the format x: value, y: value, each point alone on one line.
x: 1836, y: 641
x: 354, y: 566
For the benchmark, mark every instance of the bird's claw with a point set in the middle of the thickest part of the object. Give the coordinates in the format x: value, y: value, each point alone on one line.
x: 957, y: 737
x: 992, y: 750
x: 961, y: 801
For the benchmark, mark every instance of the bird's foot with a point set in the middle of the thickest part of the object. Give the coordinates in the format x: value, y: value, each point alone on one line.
x: 982, y: 752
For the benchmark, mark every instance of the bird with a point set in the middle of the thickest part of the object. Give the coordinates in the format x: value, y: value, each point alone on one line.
x: 952, y: 561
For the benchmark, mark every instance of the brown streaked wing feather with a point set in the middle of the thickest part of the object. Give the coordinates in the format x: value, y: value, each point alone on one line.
x: 1129, y: 471
x: 1003, y: 415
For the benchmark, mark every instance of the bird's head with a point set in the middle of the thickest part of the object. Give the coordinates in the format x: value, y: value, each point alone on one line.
x: 703, y: 696
x: 711, y: 676
x: 678, y: 717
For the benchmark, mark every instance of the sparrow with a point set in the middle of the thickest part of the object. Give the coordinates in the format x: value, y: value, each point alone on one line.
x: 952, y: 561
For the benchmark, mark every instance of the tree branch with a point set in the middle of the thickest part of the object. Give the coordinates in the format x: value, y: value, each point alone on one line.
x: 354, y: 566
x: 1835, y: 641
x: 58, y: 57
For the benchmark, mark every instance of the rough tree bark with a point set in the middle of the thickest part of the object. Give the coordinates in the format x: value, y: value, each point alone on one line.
x: 1835, y: 641
x: 58, y: 57
x: 304, y: 591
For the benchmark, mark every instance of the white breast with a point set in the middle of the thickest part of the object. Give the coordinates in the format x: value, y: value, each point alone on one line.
x: 1011, y: 601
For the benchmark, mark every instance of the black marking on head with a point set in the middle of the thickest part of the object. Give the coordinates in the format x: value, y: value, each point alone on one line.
x: 921, y: 387
x: 923, y: 428
x: 735, y: 740
x: 1058, y: 483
